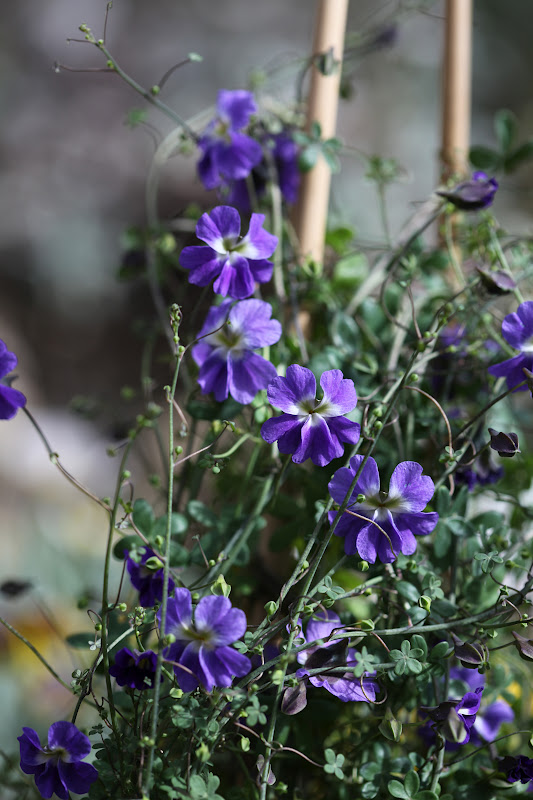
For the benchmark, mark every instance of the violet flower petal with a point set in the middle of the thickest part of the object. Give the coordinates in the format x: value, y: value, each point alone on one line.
x: 221, y: 223
x: 340, y: 396
x: 287, y: 393
x: 408, y: 483
x: 236, y: 107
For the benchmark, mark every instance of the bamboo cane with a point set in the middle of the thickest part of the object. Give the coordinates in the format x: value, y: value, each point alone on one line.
x: 457, y: 75
x: 457, y: 78
x: 311, y: 214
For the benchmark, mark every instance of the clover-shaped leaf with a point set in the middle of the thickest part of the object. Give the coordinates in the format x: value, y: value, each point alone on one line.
x: 334, y: 762
x: 407, y: 659
x: 488, y: 560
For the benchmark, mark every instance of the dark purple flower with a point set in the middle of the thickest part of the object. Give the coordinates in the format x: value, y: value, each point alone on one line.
x: 517, y: 768
x: 505, y: 444
x: 517, y: 329
x: 279, y: 164
x: 333, y: 653
x: 147, y: 577
x: 228, y: 364
x: 228, y: 154
x: 134, y: 669
x: 236, y: 263
x: 10, y: 399
x: 311, y: 428
x: 57, y: 767
x: 201, y: 652
x: 454, y: 719
x: 471, y: 195
x: 489, y: 719
x: 385, y: 523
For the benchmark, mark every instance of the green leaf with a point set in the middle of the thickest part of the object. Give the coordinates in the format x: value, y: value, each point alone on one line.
x: 178, y: 525
x: 80, y: 641
x: 519, y: 156
x: 439, y: 651
x: 200, y: 513
x: 484, y: 158
x: 506, y: 128
x: 390, y: 727
x: 426, y: 794
x: 411, y: 783
x: 126, y: 543
x: 458, y: 526
x: 418, y: 642
x: 143, y: 516
x: 350, y: 270
x: 408, y: 591
x: 308, y: 157
x: 340, y: 238
x: 396, y: 790
x: 442, y: 540
x: 443, y: 501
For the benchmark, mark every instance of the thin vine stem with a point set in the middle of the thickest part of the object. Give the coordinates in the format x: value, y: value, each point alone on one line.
x: 166, y: 572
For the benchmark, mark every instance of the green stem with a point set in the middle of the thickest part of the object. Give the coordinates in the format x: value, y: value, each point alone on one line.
x: 505, y: 264
x: 437, y: 766
x: 105, y: 588
x: 486, y: 408
x: 166, y: 571
x: 383, y: 213
x: 54, y: 458
x: 452, y: 251
x: 148, y: 95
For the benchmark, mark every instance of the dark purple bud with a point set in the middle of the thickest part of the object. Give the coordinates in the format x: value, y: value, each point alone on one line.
x: 332, y: 656
x: 505, y: 444
x: 516, y: 768
x: 474, y: 194
x: 524, y: 646
x: 496, y: 281
x: 294, y: 699
x: 471, y: 654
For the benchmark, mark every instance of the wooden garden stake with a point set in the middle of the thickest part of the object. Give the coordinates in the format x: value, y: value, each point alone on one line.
x: 457, y: 91
x: 312, y: 210
x: 457, y: 78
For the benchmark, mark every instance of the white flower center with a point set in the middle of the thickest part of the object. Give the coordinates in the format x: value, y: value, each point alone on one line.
x: 527, y: 347
x: 315, y: 409
x: 379, y: 504
x: 229, y: 339
x: 190, y: 633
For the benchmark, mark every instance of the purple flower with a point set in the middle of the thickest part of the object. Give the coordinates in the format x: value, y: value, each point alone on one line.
x: 333, y: 654
x: 236, y: 263
x: 201, y: 652
x: 228, y: 154
x: 517, y: 329
x: 279, y: 164
x: 311, y: 428
x: 57, y: 767
x: 454, y: 719
x: 385, y: 523
x: 134, y: 669
x: 471, y: 195
x: 228, y: 364
x: 147, y: 577
x: 10, y: 399
x: 517, y: 768
x: 489, y: 719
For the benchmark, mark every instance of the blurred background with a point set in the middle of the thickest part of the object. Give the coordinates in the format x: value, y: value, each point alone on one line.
x: 72, y: 180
